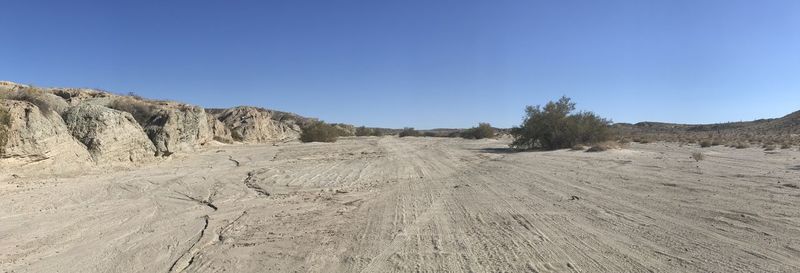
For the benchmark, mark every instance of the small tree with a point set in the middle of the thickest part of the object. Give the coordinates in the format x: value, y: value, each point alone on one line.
x: 409, y: 131
x: 484, y: 130
x: 319, y: 132
x: 555, y: 127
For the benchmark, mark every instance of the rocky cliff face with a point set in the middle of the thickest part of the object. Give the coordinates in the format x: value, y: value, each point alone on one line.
x: 254, y: 125
x: 98, y: 127
x: 32, y: 136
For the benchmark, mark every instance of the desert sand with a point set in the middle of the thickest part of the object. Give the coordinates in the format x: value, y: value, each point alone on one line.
x: 388, y: 204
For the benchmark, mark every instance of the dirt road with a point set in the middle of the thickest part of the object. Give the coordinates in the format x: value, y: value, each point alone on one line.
x: 412, y: 205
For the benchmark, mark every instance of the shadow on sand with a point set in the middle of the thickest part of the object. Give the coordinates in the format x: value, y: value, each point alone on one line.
x: 500, y: 150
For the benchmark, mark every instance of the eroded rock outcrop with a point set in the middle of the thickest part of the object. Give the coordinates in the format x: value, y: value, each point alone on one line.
x: 110, y: 136
x: 77, y: 96
x: 178, y: 128
x: 91, y: 126
x: 32, y: 136
x: 218, y: 129
x: 254, y: 125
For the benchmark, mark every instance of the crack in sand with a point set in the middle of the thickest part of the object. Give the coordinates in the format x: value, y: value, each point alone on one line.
x: 234, y: 161
x: 191, y: 249
x: 248, y: 181
x: 207, y: 202
x: 221, y: 233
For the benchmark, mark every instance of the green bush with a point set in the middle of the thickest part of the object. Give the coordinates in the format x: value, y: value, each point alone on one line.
x: 319, y: 132
x: 554, y: 126
x: 409, y: 131
x: 484, y: 130
x: 377, y: 132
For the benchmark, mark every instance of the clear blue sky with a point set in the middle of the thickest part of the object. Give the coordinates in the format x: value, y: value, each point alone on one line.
x: 421, y: 63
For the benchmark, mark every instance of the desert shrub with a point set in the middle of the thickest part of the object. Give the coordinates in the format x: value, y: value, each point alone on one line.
x: 697, y: 156
x: 769, y: 147
x: 33, y: 95
x: 343, y: 130
x: 429, y: 134
x: 786, y: 146
x: 319, y: 132
x: 363, y: 131
x: 716, y: 142
x: 141, y: 110
x: 135, y: 96
x: 554, y: 126
x: 742, y: 145
x: 377, y: 132
x: 705, y: 143
x: 484, y: 130
x: 409, y: 131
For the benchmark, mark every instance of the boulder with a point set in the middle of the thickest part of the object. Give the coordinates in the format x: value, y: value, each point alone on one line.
x: 255, y: 125
x: 30, y: 136
x: 55, y: 103
x: 178, y: 128
x: 111, y: 136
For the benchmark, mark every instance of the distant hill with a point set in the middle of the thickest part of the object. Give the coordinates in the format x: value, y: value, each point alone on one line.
x: 786, y: 128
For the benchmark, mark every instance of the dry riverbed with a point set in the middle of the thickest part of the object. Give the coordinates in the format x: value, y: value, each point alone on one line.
x: 411, y: 205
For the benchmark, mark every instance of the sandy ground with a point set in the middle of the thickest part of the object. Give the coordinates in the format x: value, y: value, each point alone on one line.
x: 412, y: 205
